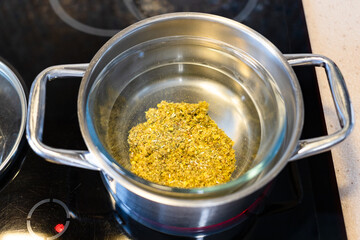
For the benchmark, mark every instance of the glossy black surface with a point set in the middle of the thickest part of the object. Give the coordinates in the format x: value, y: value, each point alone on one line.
x: 303, y: 203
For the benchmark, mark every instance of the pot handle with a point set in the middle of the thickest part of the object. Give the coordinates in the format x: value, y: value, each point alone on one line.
x: 344, y: 109
x: 36, y: 113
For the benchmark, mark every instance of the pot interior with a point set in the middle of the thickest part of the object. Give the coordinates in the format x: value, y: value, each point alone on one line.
x: 243, y: 100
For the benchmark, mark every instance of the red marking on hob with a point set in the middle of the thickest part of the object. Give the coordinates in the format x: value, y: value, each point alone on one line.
x: 59, y: 228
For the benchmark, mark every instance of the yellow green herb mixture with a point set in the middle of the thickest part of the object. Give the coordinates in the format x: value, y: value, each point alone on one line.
x: 181, y: 146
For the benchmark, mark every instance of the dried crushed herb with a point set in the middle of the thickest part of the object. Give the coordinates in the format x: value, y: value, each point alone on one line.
x: 181, y: 146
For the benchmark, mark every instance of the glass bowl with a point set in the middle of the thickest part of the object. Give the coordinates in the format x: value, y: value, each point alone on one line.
x: 243, y: 100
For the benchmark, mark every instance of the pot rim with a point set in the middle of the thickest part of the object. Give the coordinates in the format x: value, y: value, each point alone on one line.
x: 156, y: 195
x: 10, y: 73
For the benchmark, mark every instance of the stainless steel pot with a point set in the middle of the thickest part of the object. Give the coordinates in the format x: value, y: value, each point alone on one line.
x: 12, y: 116
x: 147, y: 52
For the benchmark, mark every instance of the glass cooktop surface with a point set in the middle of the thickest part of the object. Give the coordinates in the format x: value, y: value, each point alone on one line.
x: 42, y: 200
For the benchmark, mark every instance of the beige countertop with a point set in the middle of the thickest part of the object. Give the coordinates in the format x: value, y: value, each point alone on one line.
x: 334, y: 30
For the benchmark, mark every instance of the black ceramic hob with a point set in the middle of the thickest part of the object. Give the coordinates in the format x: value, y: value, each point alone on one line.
x: 41, y: 199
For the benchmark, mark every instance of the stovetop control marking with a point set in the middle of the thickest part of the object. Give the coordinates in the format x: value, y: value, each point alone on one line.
x: 63, y: 228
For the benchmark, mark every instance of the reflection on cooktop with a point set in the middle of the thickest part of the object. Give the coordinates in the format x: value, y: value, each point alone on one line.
x: 83, y: 15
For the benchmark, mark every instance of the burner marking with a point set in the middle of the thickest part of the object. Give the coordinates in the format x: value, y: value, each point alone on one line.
x: 62, y: 227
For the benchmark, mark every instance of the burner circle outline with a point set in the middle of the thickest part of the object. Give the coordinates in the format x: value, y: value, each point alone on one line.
x: 48, y: 200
